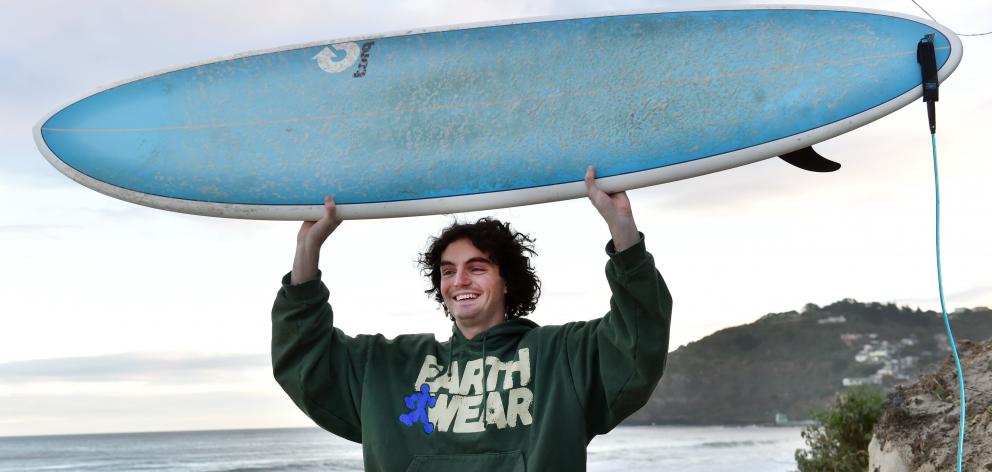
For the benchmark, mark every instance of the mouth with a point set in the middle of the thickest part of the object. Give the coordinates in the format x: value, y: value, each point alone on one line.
x: 466, y: 296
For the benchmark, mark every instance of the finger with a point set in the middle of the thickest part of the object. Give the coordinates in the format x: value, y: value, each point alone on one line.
x: 325, y: 219
x: 334, y: 210
x: 593, y: 190
x: 590, y: 178
x: 329, y: 211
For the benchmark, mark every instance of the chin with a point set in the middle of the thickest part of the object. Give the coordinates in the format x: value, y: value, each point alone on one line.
x: 464, y: 316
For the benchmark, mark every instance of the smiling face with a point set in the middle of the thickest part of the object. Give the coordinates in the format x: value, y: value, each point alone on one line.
x: 473, y: 291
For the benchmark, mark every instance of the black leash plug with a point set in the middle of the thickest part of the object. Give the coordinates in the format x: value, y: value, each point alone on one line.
x: 927, y: 58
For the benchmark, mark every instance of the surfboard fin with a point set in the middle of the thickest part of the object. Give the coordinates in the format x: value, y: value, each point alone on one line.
x: 808, y: 159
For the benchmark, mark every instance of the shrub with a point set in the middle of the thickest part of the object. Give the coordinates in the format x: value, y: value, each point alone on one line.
x: 838, y: 442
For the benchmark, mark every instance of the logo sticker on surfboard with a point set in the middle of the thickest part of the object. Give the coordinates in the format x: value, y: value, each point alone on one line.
x: 337, y: 57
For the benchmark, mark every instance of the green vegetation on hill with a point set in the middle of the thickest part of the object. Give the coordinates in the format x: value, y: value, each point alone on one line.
x: 794, y: 363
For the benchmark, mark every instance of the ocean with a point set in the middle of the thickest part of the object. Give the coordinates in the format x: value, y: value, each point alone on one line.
x: 627, y: 448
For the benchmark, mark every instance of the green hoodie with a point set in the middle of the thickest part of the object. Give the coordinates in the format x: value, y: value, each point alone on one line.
x: 516, y: 397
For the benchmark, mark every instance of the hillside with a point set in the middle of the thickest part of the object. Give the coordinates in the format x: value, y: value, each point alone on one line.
x: 788, y: 363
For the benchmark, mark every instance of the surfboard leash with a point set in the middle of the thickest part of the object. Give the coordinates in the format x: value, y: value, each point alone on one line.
x: 927, y: 58
x: 935, y: 21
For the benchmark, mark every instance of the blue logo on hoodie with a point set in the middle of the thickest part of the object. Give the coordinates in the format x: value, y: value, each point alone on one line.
x: 418, y: 403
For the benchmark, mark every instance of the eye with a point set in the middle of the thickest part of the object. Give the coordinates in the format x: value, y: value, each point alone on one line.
x: 478, y: 268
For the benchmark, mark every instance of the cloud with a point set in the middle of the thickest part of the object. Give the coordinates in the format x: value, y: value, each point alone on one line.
x: 156, y: 368
x: 32, y: 228
x: 142, y: 392
x: 968, y: 298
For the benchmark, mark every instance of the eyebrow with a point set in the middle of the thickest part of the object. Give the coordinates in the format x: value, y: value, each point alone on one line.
x: 474, y: 259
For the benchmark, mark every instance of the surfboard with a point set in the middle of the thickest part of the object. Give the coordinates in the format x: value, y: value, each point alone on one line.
x: 492, y: 115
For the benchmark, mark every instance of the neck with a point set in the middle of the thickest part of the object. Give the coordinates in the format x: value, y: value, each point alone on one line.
x: 470, y: 330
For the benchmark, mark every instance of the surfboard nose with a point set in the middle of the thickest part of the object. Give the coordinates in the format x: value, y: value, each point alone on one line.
x: 116, y: 135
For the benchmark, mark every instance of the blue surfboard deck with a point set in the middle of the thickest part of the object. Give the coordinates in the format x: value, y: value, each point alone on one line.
x: 494, y: 115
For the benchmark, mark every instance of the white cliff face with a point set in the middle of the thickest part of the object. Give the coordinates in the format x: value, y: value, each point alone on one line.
x: 918, y: 431
x: 890, y: 457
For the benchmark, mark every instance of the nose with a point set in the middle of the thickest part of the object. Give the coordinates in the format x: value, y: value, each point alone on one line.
x: 461, y: 278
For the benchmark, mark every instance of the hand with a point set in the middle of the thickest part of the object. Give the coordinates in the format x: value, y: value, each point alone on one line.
x: 615, y: 210
x: 309, y: 239
x: 313, y: 233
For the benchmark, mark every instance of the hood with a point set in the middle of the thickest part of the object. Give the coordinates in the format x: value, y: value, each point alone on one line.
x: 494, y: 340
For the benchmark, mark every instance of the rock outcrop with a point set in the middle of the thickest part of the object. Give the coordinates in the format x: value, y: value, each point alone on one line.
x: 918, y: 431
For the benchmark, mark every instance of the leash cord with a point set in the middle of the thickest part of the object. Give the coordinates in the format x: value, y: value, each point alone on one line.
x: 943, y: 308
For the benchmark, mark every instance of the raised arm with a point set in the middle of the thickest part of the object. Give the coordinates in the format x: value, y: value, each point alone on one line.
x: 319, y: 367
x: 616, y: 361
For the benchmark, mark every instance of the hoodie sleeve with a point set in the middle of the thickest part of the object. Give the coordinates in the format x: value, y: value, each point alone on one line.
x: 617, y: 361
x: 316, y: 364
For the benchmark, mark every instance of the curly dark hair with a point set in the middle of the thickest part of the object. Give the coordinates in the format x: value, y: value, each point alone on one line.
x: 508, y: 249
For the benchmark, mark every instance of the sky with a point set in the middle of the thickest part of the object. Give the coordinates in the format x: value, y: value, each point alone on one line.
x: 117, y: 317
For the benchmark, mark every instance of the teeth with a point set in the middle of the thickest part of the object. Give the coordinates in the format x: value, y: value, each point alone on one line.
x: 466, y: 296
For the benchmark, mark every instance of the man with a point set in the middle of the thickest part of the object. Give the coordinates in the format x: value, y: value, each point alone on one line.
x: 501, y: 393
